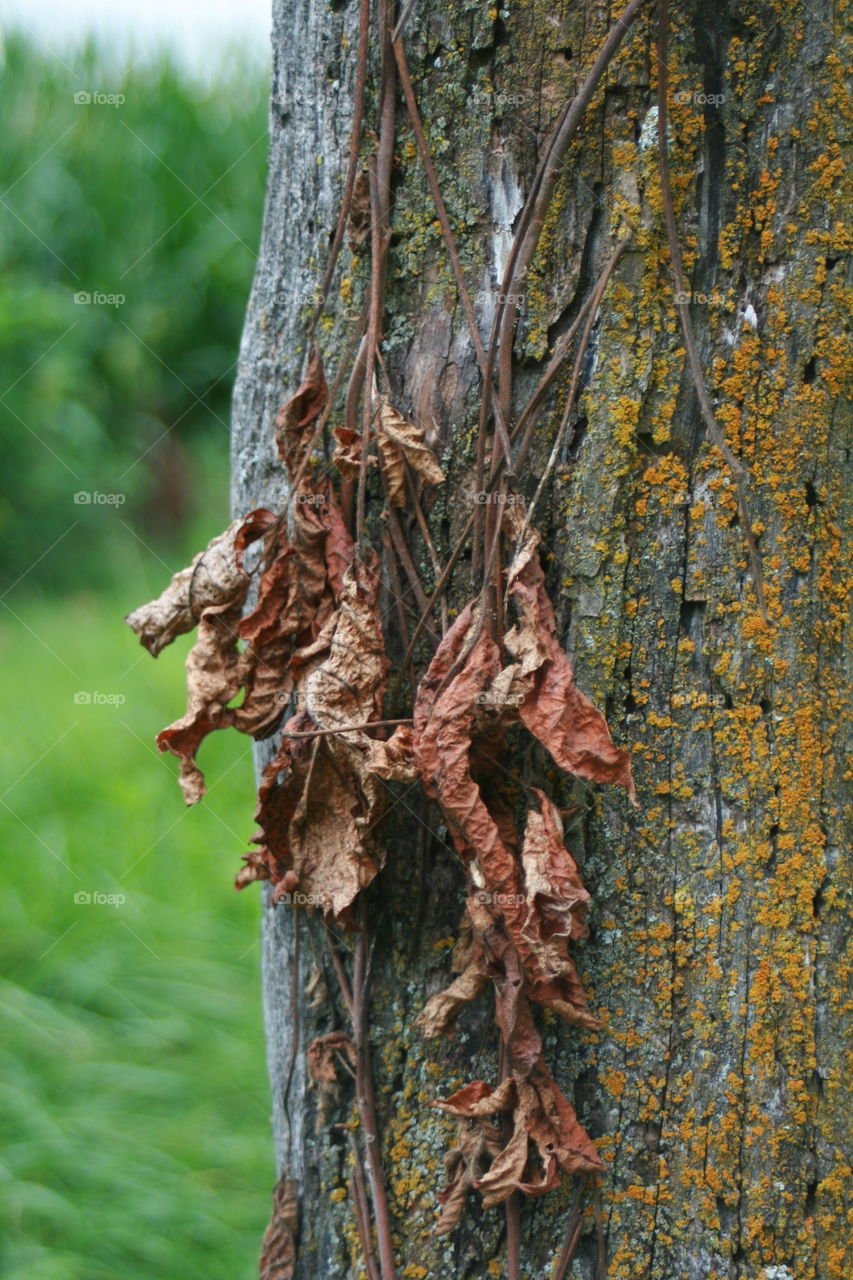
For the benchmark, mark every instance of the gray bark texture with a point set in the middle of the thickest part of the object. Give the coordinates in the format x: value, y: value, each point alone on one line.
x: 719, y: 1089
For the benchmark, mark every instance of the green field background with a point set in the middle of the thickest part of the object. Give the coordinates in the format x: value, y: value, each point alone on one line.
x: 133, y: 1098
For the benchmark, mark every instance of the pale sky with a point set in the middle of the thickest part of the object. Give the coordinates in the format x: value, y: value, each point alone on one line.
x: 194, y: 30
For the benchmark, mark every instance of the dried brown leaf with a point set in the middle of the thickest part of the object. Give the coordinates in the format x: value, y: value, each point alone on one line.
x: 443, y: 723
x: 214, y: 579
x: 214, y: 665
x: 358, y: 225
x: 556, y: 900
x: 477, y: 1144
x: 321, y: 797
x: 278, y: 1250
x: 546, y: 1138
x: 347, y: 454
x: 214, y: 675
x: 511, y: 931
x: 321, y: 1055
x: 296, y: 418
x: 551, y: 706
x: 439, y: 1014
x: 400, y: 441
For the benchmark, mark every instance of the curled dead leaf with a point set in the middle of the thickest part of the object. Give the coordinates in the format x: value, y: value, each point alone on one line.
x: 325, y: 1055
x: 547, y: 1138
x: 296, y: 418
x: 549, y: 703
x: 321, y: 797
x: 439, y: 1014
x: 347, y: 454
x: 213, y: 580
x: 358, y: 224
x: 278, y: 1250
x: 477, y: 1144
x: 400, y: 441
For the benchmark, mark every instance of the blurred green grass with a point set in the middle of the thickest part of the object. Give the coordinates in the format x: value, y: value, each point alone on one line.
x: 134, y: 1107
x: 133, y: 1102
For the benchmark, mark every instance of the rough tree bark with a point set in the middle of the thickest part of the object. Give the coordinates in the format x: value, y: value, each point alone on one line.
x: 718, y: 1091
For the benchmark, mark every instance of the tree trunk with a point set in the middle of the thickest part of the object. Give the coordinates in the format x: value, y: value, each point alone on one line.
x: 718, y: 1090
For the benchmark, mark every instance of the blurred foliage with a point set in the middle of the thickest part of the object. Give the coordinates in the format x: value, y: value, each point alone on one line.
x: 156, y: 200
x: 133, y: 1097
x: 134, y: 1104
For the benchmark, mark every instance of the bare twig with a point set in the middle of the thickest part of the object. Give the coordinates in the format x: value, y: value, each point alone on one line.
x: 449, y: 239
x: 405, y: 558
x: 355, y: 142
x: 399, y: 605
x: 358, y: 1192
x: 349, y: 728
x: 427, y: 537
x: 340, y: 973
x: 715, y: 431
x: 592, y: 314
x: 366, y: 1099
x: 373, y: 322
x: 294, y: 1032
x: 573, y: 1232
x: 567, y: 127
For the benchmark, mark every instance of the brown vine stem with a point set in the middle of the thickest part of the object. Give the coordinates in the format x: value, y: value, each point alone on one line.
x: 567, y: 127
x: 512, y: 1206
x: 522, y: 249
x: 358, y: 1193
x: 399, y: 604
x: 381, y: 165
x: 405, y: 558
x: 421, y: 624
x: 340, y: 974
x: 715, y: 431
x: 352, y: 166
x: 327, y: 412
x: 348, y: 728
x: 447, y: 233
x: 294, y: 1023
x: 527, y: 419
x: 573, y: 1232
x: 366, y: 1099
x: 592, y: 314
x: 427, y: 537
x: 601, y: 1270
x: 373, y: 321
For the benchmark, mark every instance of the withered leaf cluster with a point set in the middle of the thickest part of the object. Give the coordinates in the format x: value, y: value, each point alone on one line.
x: 306, y: 552
x: 312, y: 641
x: 526, y: 901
